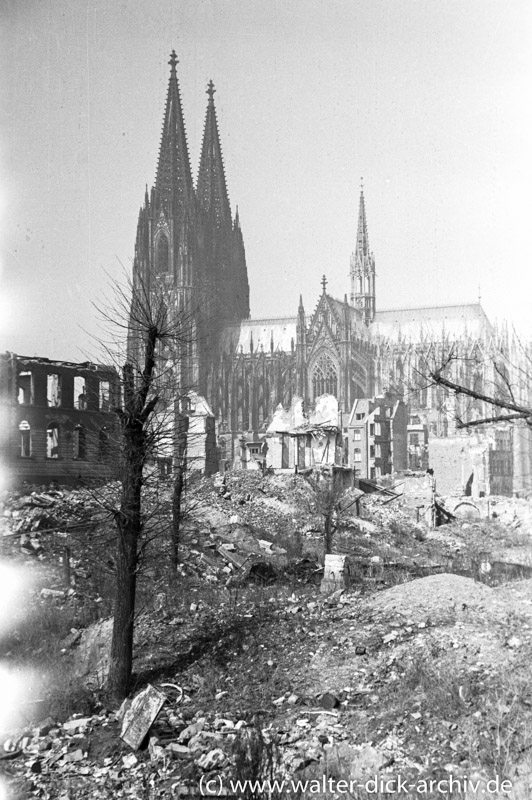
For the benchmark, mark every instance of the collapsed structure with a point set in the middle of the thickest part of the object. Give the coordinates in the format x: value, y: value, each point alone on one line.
x: 58, y: 422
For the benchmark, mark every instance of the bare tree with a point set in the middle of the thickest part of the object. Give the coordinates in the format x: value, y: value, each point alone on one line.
x: 145, y: 424
x: 328, y: 491
x: 501, y: 400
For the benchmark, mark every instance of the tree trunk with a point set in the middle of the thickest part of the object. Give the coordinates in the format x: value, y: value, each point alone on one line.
x: 328, y: 534
x: 179, y: 484
x: 129, y: 524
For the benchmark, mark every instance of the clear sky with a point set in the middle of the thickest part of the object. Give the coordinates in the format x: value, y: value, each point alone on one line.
x: 429, y: 101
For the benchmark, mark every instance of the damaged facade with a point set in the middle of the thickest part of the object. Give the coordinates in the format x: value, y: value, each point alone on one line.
x: 57, y: 420
x: 190, y: 248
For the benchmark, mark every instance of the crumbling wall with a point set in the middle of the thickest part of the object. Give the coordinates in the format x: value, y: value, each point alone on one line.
x: 49, y: 434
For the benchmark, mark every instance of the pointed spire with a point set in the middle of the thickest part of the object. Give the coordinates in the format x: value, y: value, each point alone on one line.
x: 362, y: 267
x: 174, y: 179
x: 212, y: 190
x: 362, y: 246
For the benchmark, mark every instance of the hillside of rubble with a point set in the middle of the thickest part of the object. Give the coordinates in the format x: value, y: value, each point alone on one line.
x: 420, y: 668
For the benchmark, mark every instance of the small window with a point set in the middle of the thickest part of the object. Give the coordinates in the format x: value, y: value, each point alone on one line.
x: 377, y: 451
x: 104, y: 396
x: 25, y: 388
x: 53, y: 391
x: 25, y: 439
x: 358, y: 454
x: 372, y: 430
x: 80, y: 393
x: 80, y: 443
x: 414, y: 439
x: 357, y: 435
x: 372, y: 452
x: 359, y: 416
x: 52, y: 440
x: 377, y: 429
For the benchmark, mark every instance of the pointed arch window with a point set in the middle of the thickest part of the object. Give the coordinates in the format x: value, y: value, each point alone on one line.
x: 25, y: 439
x: 162, y: 253
x: 324, y: 378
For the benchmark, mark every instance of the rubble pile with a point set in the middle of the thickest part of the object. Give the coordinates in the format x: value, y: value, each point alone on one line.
x: 392, y: 675
x: 182, y: 747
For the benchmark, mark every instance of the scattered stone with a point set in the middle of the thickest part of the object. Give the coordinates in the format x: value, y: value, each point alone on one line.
x: 192, y: 730
x: 179, y: 750
x: 73, y: 725
x: 329, y: 701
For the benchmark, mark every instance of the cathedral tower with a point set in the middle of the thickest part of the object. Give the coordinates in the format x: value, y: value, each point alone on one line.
x: 362, y: 268
x: 188, y: 250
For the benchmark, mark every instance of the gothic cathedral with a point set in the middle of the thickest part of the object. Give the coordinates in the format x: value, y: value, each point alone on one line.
x: 190, y: 248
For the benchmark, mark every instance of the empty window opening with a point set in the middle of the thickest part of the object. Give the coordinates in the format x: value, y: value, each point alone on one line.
x: 161, y: 254
x: 52, y: 440
x: 104, y: 396
x: 80, y: 393
x: 53, y: 391
x: 25, y: 388
x: 80, y: 442
x: 103, y: 445
x: 25, y: 439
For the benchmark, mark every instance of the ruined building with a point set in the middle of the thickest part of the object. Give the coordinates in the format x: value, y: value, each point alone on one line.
x: 190, y: 251
x: 58, y: 422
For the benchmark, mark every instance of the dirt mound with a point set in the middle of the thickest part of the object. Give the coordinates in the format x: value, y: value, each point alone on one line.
x: 518, y: 596
x: 438, y: 597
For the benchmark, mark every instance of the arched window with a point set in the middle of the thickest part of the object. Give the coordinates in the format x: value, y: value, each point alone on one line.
x: 25, y: 439
x: 52, y: 440
x: 80, y: 443
x: 103, y: 444
x: 162, y: 255
x: 324, y: 378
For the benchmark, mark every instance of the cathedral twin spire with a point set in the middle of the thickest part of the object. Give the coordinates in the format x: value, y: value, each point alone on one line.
x: 212, y: 189
x: 173, y: 184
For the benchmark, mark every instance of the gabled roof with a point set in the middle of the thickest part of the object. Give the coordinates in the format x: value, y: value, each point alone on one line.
x: 432, y: 321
